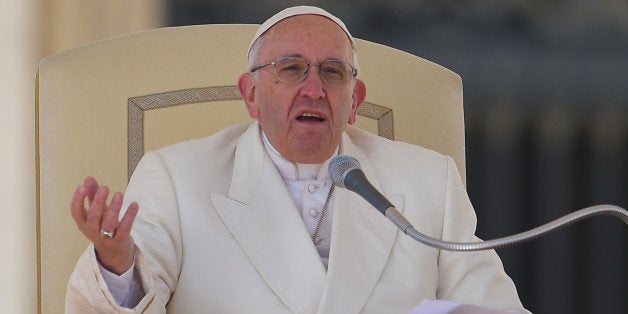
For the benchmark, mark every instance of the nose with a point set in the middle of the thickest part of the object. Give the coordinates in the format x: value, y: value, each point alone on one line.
x: 312, y: 85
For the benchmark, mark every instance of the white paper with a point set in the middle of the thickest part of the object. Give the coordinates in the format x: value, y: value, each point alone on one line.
x: 451, y: 307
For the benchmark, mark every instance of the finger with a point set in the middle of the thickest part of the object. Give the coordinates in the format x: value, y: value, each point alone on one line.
x: 124, y: 228
x: 96, y: 208
x: 110, y: 215
x: 77, y: 207
x: 92, y: 186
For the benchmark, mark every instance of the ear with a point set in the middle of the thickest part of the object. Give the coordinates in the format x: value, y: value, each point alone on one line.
x: 358, y: 96
x: 247, y: 90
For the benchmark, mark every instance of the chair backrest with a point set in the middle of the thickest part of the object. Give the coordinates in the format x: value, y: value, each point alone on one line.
x: 100, y: 106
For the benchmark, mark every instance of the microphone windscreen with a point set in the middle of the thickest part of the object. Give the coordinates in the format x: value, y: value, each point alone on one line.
x: 339, y: 166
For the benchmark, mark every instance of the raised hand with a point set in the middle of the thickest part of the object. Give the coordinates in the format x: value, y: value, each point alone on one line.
x: 99, y: 223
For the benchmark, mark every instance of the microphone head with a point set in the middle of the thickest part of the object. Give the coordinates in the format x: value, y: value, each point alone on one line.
x: 339, y: 166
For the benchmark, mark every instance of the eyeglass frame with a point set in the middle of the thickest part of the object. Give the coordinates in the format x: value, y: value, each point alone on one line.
x: 354, y: 71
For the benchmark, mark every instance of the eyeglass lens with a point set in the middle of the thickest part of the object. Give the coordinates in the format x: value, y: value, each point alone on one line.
x: 294, y: 70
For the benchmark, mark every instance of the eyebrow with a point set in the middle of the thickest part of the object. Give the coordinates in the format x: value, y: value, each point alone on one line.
x: 294, y: 55
x: 297, y: 55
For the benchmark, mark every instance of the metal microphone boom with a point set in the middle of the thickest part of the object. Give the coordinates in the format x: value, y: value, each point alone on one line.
x: 346, y: 173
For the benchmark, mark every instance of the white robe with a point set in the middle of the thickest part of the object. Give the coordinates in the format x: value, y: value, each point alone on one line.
x: 217, y: 232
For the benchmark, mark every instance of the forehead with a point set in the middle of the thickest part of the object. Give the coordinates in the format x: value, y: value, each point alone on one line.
x: 310, y: 33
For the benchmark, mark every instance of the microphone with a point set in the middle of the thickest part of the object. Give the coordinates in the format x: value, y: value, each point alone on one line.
x: 346, y: 173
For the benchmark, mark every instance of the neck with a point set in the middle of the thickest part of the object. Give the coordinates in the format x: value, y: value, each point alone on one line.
x: 294, y: 170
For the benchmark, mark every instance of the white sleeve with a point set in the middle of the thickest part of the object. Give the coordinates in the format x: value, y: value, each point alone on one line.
x: 126, y: 289
x: 158, y: 251
x: 470, y: 277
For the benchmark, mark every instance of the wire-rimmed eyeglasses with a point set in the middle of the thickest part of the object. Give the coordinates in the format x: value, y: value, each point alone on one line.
x: 293, y: 70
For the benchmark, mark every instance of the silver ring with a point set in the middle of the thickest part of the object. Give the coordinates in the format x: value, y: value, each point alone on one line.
x: 106, y: 234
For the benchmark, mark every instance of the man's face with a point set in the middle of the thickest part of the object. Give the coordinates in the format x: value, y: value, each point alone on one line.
x: 303, y: 121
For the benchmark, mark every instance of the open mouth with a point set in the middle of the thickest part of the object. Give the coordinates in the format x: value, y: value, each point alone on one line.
x: 310, y: 117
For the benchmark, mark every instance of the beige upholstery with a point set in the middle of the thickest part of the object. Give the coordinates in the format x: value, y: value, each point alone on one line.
x: 100, y: 106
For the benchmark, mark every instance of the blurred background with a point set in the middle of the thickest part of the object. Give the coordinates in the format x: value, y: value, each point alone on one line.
x: 546, y: 103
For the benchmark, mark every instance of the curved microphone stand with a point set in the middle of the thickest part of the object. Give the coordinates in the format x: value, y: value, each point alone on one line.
x: 346, y: 173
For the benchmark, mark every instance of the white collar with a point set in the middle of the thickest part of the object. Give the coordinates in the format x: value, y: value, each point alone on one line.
x: 291, y: 171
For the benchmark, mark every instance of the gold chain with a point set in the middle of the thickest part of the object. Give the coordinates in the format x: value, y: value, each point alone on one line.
x: 315, y: 238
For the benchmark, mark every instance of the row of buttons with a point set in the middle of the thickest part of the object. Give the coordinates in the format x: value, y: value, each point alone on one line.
x: 313, y: 188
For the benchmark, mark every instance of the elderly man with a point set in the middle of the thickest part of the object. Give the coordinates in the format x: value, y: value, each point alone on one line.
x: 248, y: 220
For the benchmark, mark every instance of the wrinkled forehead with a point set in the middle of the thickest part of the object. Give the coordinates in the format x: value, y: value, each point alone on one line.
x: 295, y: 11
